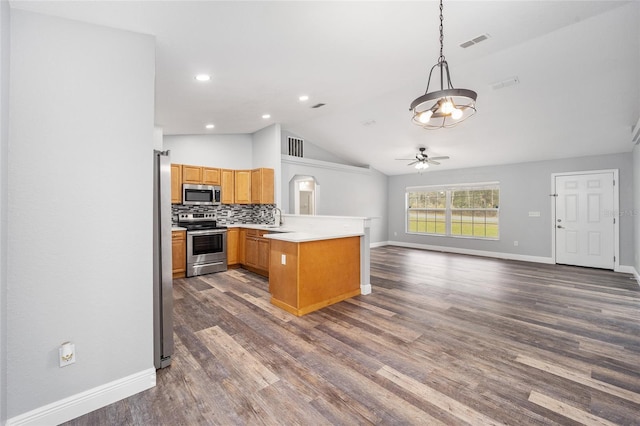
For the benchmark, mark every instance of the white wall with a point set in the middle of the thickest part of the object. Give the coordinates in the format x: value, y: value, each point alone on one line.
x: 343, y: 191
x: 524, y: 187
x: 80, y: 207
x: 636, y: 209
x: 224, y: 151
x: 4, y: 140
x: 266, y: 153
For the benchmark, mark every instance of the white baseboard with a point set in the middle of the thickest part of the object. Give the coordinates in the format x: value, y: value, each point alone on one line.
x: 379, y: 244
x: 365, y: 289
x: 637, y: 276
x: 85, y: 402
x: 499, y: 255
x: 626, y: 269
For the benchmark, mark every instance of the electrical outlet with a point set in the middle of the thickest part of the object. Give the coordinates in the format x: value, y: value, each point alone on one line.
x: 515, y: 243
x: 283, y: 259
x: 67, y: 354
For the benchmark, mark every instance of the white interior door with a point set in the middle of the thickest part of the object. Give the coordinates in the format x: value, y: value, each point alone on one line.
x: 585, y: 220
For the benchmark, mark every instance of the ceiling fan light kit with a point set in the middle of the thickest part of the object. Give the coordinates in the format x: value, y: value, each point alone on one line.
x: 448, y: 106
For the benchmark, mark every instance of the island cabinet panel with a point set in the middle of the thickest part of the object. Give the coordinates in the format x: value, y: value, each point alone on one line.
x: 176, y: 184
x: 179, y: 253
x: 315, y: 274
x: 227, y: 186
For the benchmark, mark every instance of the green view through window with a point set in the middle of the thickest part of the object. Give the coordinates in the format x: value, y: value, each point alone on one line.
x: 470, y: 210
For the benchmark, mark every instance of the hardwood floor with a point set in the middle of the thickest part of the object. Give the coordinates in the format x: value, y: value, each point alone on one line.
x: 443, y: 339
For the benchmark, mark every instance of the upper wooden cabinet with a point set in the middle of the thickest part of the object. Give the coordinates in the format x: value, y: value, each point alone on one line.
x: 200, y: 175
x: 176, y: 183
x: 210, y: 176
x: 227, y: 183
x: 242, y: 186
x: 262, y: 182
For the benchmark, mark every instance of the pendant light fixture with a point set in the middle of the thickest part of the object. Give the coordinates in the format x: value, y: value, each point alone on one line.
x: 448, y: 106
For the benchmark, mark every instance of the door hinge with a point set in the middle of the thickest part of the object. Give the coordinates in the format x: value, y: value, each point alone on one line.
x: 614, y: 220
x: 614, y: 182
x: 553, y: 195
x: 614, y: 259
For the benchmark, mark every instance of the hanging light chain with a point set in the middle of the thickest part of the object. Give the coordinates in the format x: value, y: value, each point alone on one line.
x: 441, y: 58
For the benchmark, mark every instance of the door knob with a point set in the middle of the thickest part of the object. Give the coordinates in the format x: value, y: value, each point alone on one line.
x: 560, y: 226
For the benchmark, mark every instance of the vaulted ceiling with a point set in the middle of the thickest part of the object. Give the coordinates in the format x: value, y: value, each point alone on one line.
x: 577, y: 62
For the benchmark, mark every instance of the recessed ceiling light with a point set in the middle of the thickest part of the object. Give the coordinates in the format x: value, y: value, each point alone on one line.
x: 265, y: 116
x: 203, y: 77
x: 210, y: 126
x: 303, y: 98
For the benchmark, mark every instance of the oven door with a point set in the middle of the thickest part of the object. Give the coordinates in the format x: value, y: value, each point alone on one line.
x: 206, y: 245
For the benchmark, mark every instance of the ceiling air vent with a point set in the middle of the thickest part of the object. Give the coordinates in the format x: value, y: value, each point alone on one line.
x: 318, y: 105
x: 296, y: 146
x: 475, y: 40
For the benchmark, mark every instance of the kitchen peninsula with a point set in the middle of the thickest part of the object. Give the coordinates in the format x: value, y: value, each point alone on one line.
x: 326, y: 263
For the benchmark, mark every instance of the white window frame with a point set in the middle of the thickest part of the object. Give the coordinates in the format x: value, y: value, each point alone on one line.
x: 448, y: 208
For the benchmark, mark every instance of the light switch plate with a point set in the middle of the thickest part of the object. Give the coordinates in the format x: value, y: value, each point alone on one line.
x: 283, y: 259
x: 534, y: 214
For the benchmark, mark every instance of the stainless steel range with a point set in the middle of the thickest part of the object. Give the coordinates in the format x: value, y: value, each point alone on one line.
x: 206, y: 243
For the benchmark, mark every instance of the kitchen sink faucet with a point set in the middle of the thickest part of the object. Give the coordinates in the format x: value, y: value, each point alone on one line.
x: 280, y: 222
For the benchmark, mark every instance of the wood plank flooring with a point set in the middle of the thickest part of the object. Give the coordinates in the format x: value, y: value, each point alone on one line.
x: 443, y: 339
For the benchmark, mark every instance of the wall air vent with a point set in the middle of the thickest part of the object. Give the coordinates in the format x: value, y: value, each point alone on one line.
x: 296, y: 147
x: 318, y: 105
x: 635, y: 133
x: 474, y: 41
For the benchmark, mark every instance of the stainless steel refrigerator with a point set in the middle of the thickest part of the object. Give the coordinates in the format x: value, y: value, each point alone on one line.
x: 162, y: 270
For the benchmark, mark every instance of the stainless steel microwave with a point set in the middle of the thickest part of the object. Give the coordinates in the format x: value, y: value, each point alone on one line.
x: 200, y: 195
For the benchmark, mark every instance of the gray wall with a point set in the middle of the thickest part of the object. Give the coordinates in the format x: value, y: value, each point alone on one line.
x: 4, y: 141
x: 344, y: 192
x: 524, y: 187
x: 224, y: 151
x: 311, y: 150
x: 80, y: 142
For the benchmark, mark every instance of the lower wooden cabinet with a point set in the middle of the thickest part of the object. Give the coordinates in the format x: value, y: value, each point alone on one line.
x: 256, y: 252
x: 233, y: 246
x: 179, y: 253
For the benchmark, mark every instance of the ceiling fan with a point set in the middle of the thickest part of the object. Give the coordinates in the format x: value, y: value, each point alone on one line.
x: 422, y: 160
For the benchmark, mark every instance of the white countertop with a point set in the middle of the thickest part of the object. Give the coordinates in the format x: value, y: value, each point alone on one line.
x: 178, y: 228
x: 301, y: 237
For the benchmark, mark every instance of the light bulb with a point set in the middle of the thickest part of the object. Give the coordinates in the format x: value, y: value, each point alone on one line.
x: 424, y: 117
x: 422, y: 165
x: 447, y: 106
x: 456, y: 114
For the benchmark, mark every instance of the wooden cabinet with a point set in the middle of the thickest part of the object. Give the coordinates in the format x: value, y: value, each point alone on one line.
x: 241, y: 246
x: 242, y: 185
x: 227, y: 182
x: 315, y: 274
x: 198, y: 175
x: 233, y: 246
x: 176, y: 183
x: 210, y: 176
x: 262, y: 183
x: 256, y: 252
x: 179, y: 253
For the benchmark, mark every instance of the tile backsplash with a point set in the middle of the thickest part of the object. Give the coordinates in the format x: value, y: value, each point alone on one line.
x: 228, y: 214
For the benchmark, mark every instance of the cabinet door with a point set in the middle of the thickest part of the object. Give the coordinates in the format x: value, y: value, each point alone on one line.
x: 191, y: 174
x: 243, y: 186
x: 176, y: 184
x: 179, y: 253
x: 251, y: 251
x: 263, y: 254
x: 262, y: 186
x: 232, y: 245
x: 210, y: 176
x: 256, y: 186
x: 227, y: 181
x: 241, y: 246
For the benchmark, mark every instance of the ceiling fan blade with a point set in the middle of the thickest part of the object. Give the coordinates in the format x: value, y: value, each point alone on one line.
x: 439, y: 158
x: 412, y: 163
x: 430, y: 161
x: 405, y: 159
